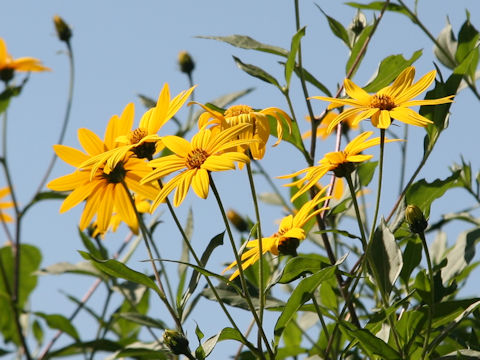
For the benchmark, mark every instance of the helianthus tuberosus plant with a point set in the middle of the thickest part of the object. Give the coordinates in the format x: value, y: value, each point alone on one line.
x: 362, y: 258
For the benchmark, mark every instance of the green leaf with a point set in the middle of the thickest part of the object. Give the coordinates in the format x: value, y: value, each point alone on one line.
x: 8, y: 93
x: 461, y: 255
x: 371, y: 343
x: 446, y: 40
x: 357, y: 47
x: 412, y: 256
x: 88, y: 346
x: 385, y: 258
x: 295, y: 45
x: 59, y: 322
x: 294, y: 137
x: 98, y: 252
x: 378, y: 5
x: 142, y: 319
x: 83, y: 268
x: 257, y: 72
x: 117, y: 269
x: 312, y: 80
x: 464, y: 354
x: 30, y: 260
x: 215, y: 242
x: 226, y: 334
x: 389, y: 69
x: 301, y: 265
x: 246, y: 42
x: 365, y: 172
x: 337, y: 28
x: 142, y: 350
x: 185, y: 257
x: 468, y: 38
x: 423, y: 193
x: 37, y: 332
x: 45, y: 195
x: 300, y: 295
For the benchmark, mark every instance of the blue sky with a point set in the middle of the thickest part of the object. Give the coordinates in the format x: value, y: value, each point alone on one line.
x: 123, y: 48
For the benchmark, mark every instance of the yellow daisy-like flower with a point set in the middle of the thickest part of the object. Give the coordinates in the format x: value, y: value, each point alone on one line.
x: 322, y: 130
x: 104, y: 191
x: 8, y: 65
x: 341, y: 163
x: 286, y: 240
x: 206, y: 152
x: 243, y: 114
x: 5, y: 205
x: 391, y: 102
x: 143, y: 141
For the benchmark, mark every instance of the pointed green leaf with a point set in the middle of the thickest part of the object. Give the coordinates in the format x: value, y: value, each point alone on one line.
x: 448, y: 47
x: 300, y: 295
x: 385, y: 258
x: 246, y: 42
x: 389, y: 69
x: 59, y: 322
x: 378, y: 5
x: 357, y: 47
x: 468, y: 38
x: 365, y: 172
x: 83, y: 268
x: 226, y: 334
x: 412, y: 256
x: 117, y: 269
x: 293, y: 54
x: 257, y: 72
x: 337, y: 28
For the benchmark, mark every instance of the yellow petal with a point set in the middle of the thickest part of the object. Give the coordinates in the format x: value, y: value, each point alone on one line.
x: 177, y: 144
x: 70, y: 155
x: 201, y: 183
x: 79, y: 194
x: 90, y: 142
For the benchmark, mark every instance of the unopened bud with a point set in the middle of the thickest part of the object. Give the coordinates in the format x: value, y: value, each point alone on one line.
x: 359, y: 22
x: 64, y: 32
x: 185, y: 62
x: 415, y: 219
x: 237, y: 221
x: 176, y: 342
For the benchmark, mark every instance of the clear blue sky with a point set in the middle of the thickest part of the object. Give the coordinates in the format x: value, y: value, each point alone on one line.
x: 123, y: 48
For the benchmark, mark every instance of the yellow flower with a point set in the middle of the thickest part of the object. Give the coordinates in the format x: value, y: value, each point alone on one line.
x: 391, y: 102
x: 286, y: 240
x: 142, y: 141
x: 104, y: 191
x: 8, y: 64
x: 5, y: 205
x: 341, y: 163
x: 205, y: 153
x: 327, y: 120
x: 243, y: 114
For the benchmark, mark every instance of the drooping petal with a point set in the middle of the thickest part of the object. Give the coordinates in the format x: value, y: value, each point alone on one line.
x: 105, y: 209
x: 201, y: 183
x: 124, y: 208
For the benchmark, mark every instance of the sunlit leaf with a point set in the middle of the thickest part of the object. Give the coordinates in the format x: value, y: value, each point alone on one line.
x: 257, y: 72
x: 356, y: 50
x: 59, y: 322
x: 246, y: 42
x: 293, y: 55
x: 448, y: 47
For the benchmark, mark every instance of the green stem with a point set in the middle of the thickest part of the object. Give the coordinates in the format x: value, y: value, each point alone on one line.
x: 65, y: 119
x: 306, y: 155
x: 432, y: 295
x: 240, y: 268
x: 209, y: 282
x: 261, y: 270
x: 145, y: 236
x: 357, y: 211
x: 403, y: 164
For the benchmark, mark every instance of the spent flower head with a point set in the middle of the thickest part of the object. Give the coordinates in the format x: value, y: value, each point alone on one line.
x: 391, y: 102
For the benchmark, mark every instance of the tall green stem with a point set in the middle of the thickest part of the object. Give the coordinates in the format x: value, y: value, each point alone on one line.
x: 357, y: 211
x: 240, y: 268
x: 432, y: 294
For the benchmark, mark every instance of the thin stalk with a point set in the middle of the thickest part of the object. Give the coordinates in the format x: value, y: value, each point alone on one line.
x: 209, y: 282
x: 65, y: 119
x: 273, y: 186
x: 247, y: 333
x: 102, y: 317
x: 163, y: 270
x: 403, y: 164
x: 190, y: 120
x: 314, y: 123
x: 240, y: 268
x: 357, y: 211
x: 161, y: 292
x: 320, y: 316
x: 432, y: 295
x: 306, y: 155
x: 261, y: 282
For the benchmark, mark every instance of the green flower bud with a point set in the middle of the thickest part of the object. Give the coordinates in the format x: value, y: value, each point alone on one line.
x: 176, y: 342
x: 64, y: 32
x: 237, y: 221
x: 185, y: 62
x: 415, y: 219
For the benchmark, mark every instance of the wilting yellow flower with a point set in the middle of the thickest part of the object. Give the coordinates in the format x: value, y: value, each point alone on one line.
x: 5, y: 205
x: 195, y: 159
x: 8, y: 64
x: 104, y: 191
x: 142, y: 141
x: 327, y: 120
x: 341, y: 163
x: 286, y: 240
x: 391, y: 102
x: 243, y: 114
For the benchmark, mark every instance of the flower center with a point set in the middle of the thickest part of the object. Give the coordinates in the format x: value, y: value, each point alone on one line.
x: 382, y: 102
x: 116, y: 175
x: 236, y: 110
x: 6, y: 74
x: 288, y: 246
x: 135, y: 136
x: 196, y: 158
